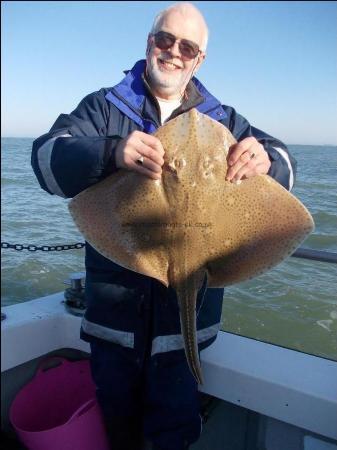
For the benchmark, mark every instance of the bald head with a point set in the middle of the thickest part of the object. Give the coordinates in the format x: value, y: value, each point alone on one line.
x: 189, y: 13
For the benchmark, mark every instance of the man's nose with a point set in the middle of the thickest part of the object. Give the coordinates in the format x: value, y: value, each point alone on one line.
x: 175, y: 49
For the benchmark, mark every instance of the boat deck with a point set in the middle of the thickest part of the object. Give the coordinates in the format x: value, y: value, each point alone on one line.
x: 232, y: 427
x: 257, y: 396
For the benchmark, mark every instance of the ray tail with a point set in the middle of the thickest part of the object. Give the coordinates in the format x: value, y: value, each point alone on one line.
x: 187, y: 296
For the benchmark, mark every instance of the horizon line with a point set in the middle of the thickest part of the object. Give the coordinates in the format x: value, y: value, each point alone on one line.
x: 31, y: 137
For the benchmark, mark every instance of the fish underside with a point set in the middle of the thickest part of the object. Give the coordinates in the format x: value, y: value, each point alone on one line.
x: 192, y: 223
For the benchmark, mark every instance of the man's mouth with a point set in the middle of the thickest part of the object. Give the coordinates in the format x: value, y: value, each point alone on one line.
x: 169, y: 66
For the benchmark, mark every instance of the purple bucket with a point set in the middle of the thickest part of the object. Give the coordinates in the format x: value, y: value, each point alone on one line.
x: 58, y: 410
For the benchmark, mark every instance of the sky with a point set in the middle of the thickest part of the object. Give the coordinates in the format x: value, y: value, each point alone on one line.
x: 274, y: 62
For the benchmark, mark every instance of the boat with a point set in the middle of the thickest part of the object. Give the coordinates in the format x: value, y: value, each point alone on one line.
x: 255, y: 396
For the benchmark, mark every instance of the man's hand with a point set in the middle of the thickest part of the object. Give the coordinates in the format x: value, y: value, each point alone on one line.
x: 142, y: 153
x: 246, y: 159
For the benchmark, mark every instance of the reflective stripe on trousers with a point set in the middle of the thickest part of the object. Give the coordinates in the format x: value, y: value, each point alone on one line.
x: 160, y: 344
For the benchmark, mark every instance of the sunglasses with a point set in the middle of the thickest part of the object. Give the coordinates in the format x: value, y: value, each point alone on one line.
x: 164, y: 41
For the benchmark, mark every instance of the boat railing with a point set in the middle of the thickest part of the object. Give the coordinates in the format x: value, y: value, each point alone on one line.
x: 315, y: 255
x: 305, y: 253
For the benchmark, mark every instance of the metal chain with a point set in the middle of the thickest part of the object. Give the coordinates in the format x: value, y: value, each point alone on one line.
x: 43, y: 248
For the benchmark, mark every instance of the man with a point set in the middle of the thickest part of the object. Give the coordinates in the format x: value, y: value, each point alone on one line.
x: 139, y: 389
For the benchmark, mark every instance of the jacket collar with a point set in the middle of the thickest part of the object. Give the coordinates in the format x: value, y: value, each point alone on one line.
x: 133, y: 97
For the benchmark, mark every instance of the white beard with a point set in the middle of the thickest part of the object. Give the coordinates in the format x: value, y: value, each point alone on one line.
x: 168, y: 83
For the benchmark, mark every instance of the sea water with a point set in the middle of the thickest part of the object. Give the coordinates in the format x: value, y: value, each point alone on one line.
x: 294, y: 305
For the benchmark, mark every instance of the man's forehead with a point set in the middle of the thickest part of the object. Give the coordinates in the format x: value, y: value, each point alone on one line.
x: 185, y: 26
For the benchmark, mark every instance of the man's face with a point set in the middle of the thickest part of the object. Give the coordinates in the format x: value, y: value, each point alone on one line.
x: 168, y: 70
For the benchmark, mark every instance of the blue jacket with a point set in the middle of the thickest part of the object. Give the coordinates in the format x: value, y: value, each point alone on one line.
x: 78, y: 152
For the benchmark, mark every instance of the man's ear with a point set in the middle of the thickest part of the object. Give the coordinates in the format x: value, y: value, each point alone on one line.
x: 201, y: 58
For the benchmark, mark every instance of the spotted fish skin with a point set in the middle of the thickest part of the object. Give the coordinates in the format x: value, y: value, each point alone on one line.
x: 192, y: 222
